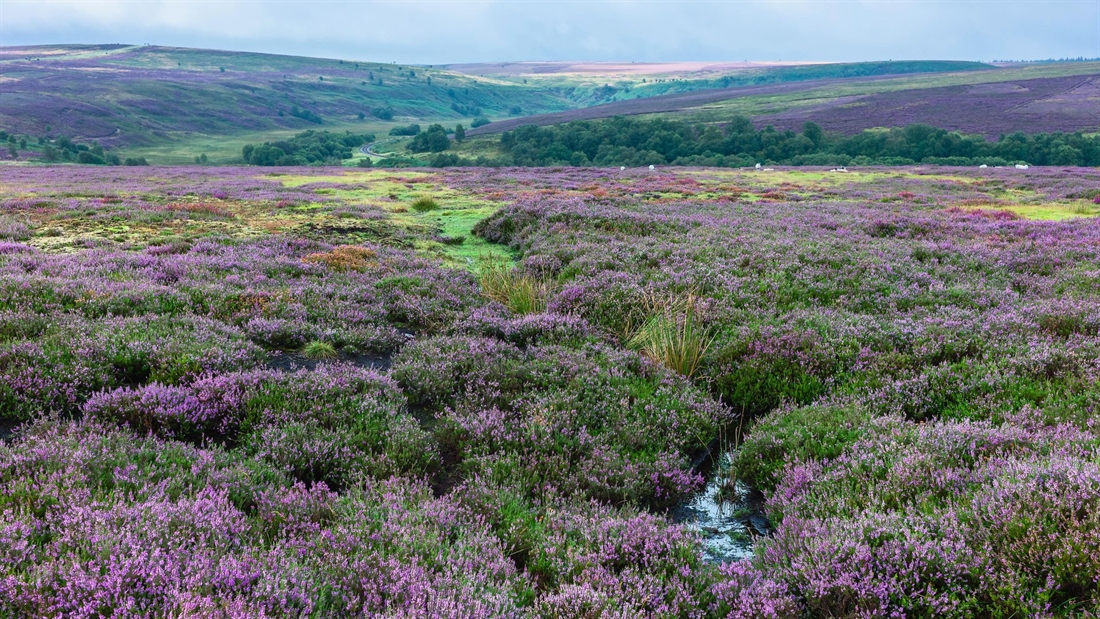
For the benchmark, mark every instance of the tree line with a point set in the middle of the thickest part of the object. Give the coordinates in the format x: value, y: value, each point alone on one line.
x: 306, y: 148
x: 639, y: 142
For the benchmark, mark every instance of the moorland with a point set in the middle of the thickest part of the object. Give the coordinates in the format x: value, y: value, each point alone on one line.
x: 553, y: 340
x: 526, y: 392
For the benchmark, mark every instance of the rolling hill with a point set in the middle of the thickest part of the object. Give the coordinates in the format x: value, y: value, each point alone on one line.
x: 122, y: 96
x: 1061, y: 97
x: 171, y: 104
x: 126, y: 96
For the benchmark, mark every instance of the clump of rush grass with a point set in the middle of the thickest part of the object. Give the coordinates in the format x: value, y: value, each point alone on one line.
x: 674, y: 334
x: 318, y: 350
x: 425, y: 204
x: 519, y: 292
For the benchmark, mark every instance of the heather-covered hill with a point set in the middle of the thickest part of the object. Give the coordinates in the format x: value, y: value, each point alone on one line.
x: 122, y: 95
x: 1057, y: 97
x: 1054, y: 104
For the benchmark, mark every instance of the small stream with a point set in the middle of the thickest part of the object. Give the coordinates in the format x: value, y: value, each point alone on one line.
x: 727, y: 517
x: 7, y: 429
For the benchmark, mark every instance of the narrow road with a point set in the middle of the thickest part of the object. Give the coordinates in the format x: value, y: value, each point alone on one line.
x: 368, y: 149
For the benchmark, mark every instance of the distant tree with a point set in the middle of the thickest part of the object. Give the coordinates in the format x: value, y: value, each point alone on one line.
x: 23, y: 144
x: 383, y: 113
x: 305, y: 115
x: 221, y: 69
x: 201, y: 159
x: 814, y: 132
x: 307, y: 148
x: 89, y: 157
x: 135, y: 161
x: 49, y: 153
x: 12, y: 150
x: 515, y: 110
x: 412, y: 129
x: 429, y: 80
x: 460, y: 133
x: 479, y: 122
x: 433, y: 140
x: 362, y: 116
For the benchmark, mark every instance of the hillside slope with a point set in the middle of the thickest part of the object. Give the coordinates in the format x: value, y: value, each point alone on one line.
x: 1031, y: 99
x: 125, y: 95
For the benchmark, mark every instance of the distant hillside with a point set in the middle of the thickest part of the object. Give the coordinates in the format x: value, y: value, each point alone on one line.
x: 621, y: 81
x: 175, y: 104
x: 122, y: 95
x: 1053, y: 104
x: 1030, y: 99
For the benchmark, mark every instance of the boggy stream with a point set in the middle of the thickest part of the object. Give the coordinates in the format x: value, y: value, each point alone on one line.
x: 728, y: 514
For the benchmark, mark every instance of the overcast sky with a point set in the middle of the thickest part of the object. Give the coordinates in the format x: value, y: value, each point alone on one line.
x: 442, y: 31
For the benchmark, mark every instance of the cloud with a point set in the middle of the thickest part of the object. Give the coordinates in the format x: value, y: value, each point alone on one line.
x: 437, y: 31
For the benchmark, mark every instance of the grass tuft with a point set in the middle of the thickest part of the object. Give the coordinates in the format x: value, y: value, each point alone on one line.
x: 318, y: 350
x: 675, y: 334
x: 523, y: 294
x: 423, y: 205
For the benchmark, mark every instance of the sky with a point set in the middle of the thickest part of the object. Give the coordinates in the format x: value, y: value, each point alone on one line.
x: 451, y: 31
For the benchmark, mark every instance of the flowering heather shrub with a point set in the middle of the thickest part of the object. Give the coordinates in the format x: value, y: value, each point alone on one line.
x: 495, y: 321
x: 594, y: 422
x: 53, y: 362
x: 918, y: 373
x: 13, y: 230
x: 953, y: 518
x: 331, y: 424
x: 109, y: 319
x: 106, y: 523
